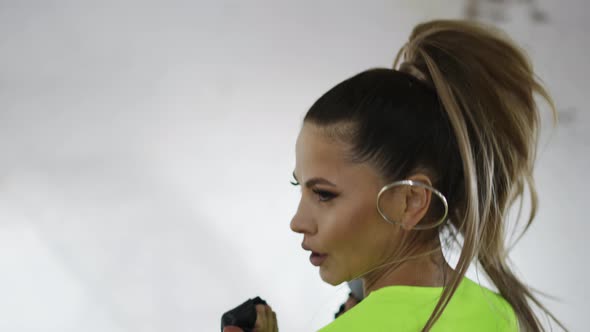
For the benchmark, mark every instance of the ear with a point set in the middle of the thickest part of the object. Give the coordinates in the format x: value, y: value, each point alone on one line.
x: 417, y: 201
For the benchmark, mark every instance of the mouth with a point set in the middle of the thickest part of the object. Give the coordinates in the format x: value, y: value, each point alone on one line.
x: 317, y: 259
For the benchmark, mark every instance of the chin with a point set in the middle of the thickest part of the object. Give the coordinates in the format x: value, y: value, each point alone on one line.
x: 330, y: 278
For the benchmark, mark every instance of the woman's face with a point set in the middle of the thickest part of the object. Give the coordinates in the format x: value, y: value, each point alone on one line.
x: 337, y: 213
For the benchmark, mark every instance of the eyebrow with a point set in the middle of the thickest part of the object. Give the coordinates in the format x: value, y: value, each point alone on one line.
x: 314, y: 181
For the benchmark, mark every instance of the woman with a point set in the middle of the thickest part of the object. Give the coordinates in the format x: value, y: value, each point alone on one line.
x: 390, y: 160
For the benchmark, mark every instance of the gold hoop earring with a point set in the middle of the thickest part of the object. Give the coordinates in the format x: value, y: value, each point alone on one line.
x: 417, y: 184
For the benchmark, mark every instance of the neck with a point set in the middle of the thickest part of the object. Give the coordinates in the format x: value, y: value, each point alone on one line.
x: 428, y: 270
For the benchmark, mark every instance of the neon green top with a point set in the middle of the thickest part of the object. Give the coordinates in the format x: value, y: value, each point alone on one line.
x: 407, y: 308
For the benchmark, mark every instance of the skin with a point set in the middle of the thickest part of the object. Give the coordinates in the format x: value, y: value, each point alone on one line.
x: 337, y: 216
x: 266, y: 321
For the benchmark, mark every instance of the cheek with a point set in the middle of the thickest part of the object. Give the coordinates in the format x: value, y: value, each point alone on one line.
x: 349, y: 237
x: 344, y: 227
x: 366, y: 234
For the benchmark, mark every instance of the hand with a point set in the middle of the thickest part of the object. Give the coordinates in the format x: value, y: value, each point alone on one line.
x: 349, y: 304
x: 266, y: 321
x: 232, y: 329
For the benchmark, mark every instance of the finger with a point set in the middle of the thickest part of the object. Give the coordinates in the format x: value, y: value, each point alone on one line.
x: 232, y: 329
x: 275, y: 323
x: 351, y: 302
x: 267, y: 318
x: 272, y: 319
x: 259, y: 325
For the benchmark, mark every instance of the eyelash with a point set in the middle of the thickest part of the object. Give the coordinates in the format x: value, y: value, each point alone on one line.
x: 323, y: 196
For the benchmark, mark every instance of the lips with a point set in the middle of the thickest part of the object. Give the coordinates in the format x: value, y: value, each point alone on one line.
x: 317, y: 259
x: 306, y: 248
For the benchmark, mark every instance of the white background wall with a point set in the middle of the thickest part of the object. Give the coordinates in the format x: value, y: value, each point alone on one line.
x: 146, y: 150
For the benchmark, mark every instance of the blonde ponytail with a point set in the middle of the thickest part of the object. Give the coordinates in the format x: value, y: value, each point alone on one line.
x: 486, y: 86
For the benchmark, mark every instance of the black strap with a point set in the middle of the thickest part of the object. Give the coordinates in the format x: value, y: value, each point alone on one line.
x: 243, y: 316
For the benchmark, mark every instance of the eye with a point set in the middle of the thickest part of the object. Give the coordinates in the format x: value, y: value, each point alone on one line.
x: 324, y: 196
x: 294, y: 181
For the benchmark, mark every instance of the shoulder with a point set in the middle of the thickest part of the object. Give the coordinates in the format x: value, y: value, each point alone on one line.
x: 477, y: 306
x: 404, y: 308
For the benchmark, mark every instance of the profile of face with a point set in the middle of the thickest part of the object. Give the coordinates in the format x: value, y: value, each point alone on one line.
x: 337, y: 212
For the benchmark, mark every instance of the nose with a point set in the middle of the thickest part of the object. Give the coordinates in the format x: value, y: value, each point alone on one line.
x: 302, y: 222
